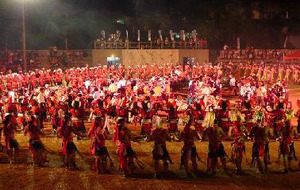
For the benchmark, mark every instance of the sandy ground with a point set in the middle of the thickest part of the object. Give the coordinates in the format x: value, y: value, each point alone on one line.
x: 25, y: 176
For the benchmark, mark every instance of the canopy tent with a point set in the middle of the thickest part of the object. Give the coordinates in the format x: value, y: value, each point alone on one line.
x: 295, y: 55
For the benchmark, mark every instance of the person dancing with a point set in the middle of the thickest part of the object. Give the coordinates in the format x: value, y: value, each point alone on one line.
x: 189, y: 151
x: 160, y: 135
x: 38, y: 151
x: 11, y: 144
x: 215, y: 146
x: 99, y: 150
x: 65, y: 131
x: 123, y: 137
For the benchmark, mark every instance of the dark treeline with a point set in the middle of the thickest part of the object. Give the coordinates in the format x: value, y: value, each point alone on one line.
x: 262, y: 24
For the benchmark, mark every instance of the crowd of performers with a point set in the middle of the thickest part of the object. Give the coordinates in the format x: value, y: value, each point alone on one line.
x: 145, y: 96
x: 268, y: 72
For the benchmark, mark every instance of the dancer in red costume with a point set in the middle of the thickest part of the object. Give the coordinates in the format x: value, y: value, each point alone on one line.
x: 146, y: 114
x: 286, y: 147
x: 36, y: 111
x: 223, y: 115
x: 77, y: 117
x: 216, y: 148
x: 123, y: 138
x: 160, y: 152
x: 258, y: 149
x: 278, y: 120
x: 65, y: 131
x: 189, y: 152
x: 198, y: 115
x: 173, y: 119
x: 238, y: 152
x: 53, y: 112
x: 98, y: 137
x: 38, y: 151
x: 11, y: 144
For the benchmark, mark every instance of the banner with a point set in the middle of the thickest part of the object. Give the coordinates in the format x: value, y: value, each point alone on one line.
x: 139, y: 36
x: 149, y: 35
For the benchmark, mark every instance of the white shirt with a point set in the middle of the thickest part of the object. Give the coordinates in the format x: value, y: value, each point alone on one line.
x: 232, y: 82
x: 113, y: 88
x: 121, y: 83
x: 41, y: 98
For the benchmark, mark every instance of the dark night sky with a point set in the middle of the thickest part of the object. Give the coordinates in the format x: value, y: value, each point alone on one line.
x: 49, y: 22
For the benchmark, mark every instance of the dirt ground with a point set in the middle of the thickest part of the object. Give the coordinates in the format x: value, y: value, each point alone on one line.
x: 25, y: 176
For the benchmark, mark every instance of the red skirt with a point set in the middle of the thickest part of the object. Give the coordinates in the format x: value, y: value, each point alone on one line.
x: 249, y: 126
x: 68, y: 147
x: 79, y: 126
x: 173, y: 127
x: 225, y: 125
x: 147, y: 127
x: 279, y: 125
x: 198, y: 126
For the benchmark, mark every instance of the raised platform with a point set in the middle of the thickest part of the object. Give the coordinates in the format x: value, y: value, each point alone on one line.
x: 149, y: 56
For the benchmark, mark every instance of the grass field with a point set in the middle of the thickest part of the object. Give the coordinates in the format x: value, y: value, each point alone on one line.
x: 25, y: 176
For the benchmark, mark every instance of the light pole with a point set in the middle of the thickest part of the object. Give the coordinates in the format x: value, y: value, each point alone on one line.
x: 24, y: 36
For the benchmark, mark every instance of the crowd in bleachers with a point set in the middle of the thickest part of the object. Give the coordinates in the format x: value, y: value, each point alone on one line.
x: 74, y: 58
x: 13, y: 59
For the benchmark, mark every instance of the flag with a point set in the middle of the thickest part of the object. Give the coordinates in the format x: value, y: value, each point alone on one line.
x: 285, y: 41
x: 139, y: 36
x: 149, y: 35
x: 182, y: 35
x: 127, y: 35
x: 238, y: 44
x: 194, y: 35
x: 118, y: 34
x: 171, y: 35
x: 160, y: 35
x: 103, y: 34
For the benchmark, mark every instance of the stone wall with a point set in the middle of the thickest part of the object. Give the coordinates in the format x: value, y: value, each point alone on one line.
x: 149, y: 56
x: 200, y: 56
x: 99, y: 57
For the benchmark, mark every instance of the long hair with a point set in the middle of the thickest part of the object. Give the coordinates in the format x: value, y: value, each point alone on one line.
x: 224, y: 105
x: 6, y: 123
x: 145, y: 106
x: 32, y: 123
x: 7, y: 120
x: 100, y: 104
x: 198, y: 106
x: 188, y: 125
x: 117, y: 130
x: 65, y: 126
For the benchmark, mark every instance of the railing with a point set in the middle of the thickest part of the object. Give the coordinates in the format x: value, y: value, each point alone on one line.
x: 150, y: 45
